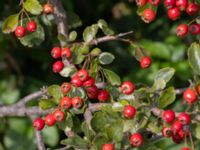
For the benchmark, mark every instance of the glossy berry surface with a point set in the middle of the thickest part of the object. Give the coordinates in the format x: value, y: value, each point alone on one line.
x: 65, y: 102
x: 38, y: 124
x: 148, y: 15
x: 168, y: 116
x: 174, y: 13
x: 82, y: 74
x: 58, y: 66
x: 89, y: 82
x: 167, y: 132
x: 190, y: 96
x: 31, y: 26
x: 192, y: 9
x: 141, y: 3
x: 65, y: 87
x: 194, y: 29
x: 177, y: 126
x: 20, y: 31
x: 103, y: 95
x: 183, y: 134
x: 48, y: 8
x: 66, y: 52
x: 77, y: 102
x: 108, y: 146
x: 76, y: 81
x: 50, y: 120
x: 127, y: 87
x: 185, y: 148
x: 92, y: 92
x: 184, y: 118
x: 169, y: 3
x: 145, y: 62
x: 182, y: 30
x: 56, y: 52
x: 136, y: 139
x: 182, y: 4
x: 129, y: 111
x: 59, y: 115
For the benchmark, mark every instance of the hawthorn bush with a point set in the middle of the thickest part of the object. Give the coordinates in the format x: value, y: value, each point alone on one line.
x: 109, y: 75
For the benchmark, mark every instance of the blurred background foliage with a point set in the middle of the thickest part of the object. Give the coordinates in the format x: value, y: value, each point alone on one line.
x: 24, y: 70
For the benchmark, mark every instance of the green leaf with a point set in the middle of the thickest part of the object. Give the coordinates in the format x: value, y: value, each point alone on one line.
x: 106, y: 58
x: 98, y: 142
x: 167, y: 97
x: 196, y: 130
x: 34, y: 38
x: 10, y: 23
x: 90, y: 32
x: 73, y: 20
x: 78, y: 92
x: 115, y: 131
x: 76, y: 142
x: 46, y: 104
x: 99, y: 122
x: 67, y: 124
x: 51, y: 136
x: 72, y: 36
x: 55, y: 92
x: 79, y: 59
x: 67, y: 71
x: 104, y: 27
x: 95, y: 52
x: 62, y: 38
x: 89, y: 133
x: 194, y: 57
x: 112, y: 77
x: 139, y: 53
x: 33, y: 6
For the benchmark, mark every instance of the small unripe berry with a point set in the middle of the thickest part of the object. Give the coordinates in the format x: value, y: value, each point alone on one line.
x: 77, y: 102
x: 59, y: 115
x: 50, y: 120
x: 108, y: 146
x: 192, y: 9
x: 174, y: 13
x: 182, y: 30
x: 103, y: 95
x: 20, y: 31
x: 168, y: 116
x: 58, y: 66
x: 38, y: 124
x: 56, y: 52
x: 48, y: 8
x: 136, y: 139
x: 31, y: 26
x: 129, y: 111
x: 190, y: 96
x: 148, y: 15
x: 127, y: 87
x: 65, y: 102
x: 145, y: 62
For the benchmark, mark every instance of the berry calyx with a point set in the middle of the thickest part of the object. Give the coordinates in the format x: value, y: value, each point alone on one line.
x: 89, y: 82
x: 127, y: 87
x: 56, y: 52
x: 58, y: 66
x: 190, y: 96
x: 177, y: 126
x: 66, y: 52
x: 184, y: 118
x: 192, y: 9
x: 148, y: 15
x: 82, y: 74
x: 65, y: 87
x: 145, y: 62
x: 77, y: 102
x: 50, y: 120
x: 129, y: 111
x: 92, y: 92
x: 76, y: 81
x: 20, y: 31
x: 168, y: 116
x: 182, y: 30
x: 59, y: 115
x: 38, y: 124
x: 108, y: 146
x: 136, y: 139
x: 174, y: 13
x: 103, y: 95
x: 169, y: 3
x: 194, y: 29
x: 31, y: 26
x: 65, y: 102
x: 48, y: 8
x: 167, y: 132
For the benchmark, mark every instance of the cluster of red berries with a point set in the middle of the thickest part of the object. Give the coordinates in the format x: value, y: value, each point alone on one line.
x: 20, y: 31
x: 57, y: 53
x: 183, y: 29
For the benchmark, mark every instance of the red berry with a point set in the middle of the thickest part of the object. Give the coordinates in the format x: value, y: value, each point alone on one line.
x: 185, y: 148
x: 50, y: 120
x: 38, y: 124
x: 129, y: 111
x: 177, y: 126
x: 31, y: 26
x: 58, y: 66
x: 82, y: 74
x: 145, y: 62
x: 103, y: 95
x: 167, y: 132
x: 194, y: 29
x: 154, y: 2
x: 77, y: 102
x: 48, y: 8
x: 65, y: 103
x: 65, y: 87
x: 176, y: 138
x: 59, y: 115
x: 182, y: 30
x: 136, y: 139
x: 168, y: 116
x: 92, y: 92
x: 183, y: 134
x: 127, y: 87
x: 141, y: 3
x: 182, y: 4
x: 192, y: 9
x: 169, y: 3
x: 66, y: 52
x: 89, y: 82
x: 20, y: 31
x: 174, y: 13
x: 108, y: 146
x: 148, y: 15
x: 56, y: 52
x: 76, y: 81
x: 190, y: 96
x: 184, y: 118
